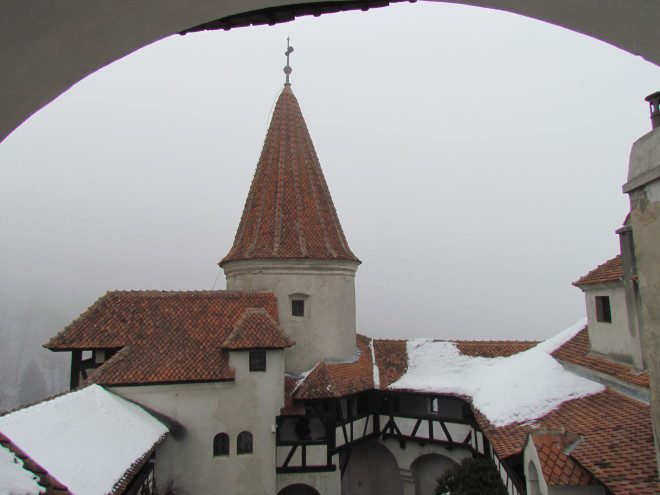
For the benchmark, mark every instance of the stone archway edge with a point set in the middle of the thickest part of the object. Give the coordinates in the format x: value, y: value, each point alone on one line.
x: 47, y: 46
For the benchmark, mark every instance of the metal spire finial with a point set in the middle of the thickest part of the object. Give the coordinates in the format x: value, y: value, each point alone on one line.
x: 287, y: 68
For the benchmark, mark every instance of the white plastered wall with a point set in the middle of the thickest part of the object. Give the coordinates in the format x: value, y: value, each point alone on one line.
x: 328, y: 328
x: 610, y: 339
x: 250, y: 403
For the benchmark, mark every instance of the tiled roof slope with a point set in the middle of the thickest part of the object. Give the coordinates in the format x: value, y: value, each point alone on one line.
x: 493, y: 348
x: 291, y: 408
x: 618, y: 446
x: 610, y: 271
x: 329, y: 379
x: 289, y: 213
x: 167, y: 336
x: 46, y: 480
x: 577, y: 351
x: 391, y: 359
x: 256, y: 329
x: 558, y: 468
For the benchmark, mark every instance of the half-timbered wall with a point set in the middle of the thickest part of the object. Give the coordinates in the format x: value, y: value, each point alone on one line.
x: 409, y: 426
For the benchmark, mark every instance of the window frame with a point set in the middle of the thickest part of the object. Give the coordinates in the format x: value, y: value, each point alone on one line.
x: 603, y: 309
x: 254, y: 361
x: 298, y: 308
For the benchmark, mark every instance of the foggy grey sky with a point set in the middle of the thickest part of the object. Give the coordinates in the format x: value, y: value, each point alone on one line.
x: 475, y: 159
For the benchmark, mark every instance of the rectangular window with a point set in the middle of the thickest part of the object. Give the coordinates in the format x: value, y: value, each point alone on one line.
x: 257, y: 360
x: 434, y: 405
x: 298, y: 307
x: 603, y: 311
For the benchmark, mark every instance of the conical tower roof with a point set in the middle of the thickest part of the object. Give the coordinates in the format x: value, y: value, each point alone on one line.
x: 289, y: 213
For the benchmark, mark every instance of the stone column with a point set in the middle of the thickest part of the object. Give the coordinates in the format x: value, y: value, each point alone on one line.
x: 407, y: 481
x: 643, y: 189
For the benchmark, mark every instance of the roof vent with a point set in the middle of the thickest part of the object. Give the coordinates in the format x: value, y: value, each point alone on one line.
x: 654, y: 104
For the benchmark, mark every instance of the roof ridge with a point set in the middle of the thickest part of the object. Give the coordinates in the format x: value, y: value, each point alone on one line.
x: 601, y: 274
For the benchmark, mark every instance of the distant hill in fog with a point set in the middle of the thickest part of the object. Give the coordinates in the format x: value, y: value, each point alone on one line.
x: 28, y: 372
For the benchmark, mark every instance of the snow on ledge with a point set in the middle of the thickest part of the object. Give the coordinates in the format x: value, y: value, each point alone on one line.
x: 14, y: 479
x: 375, y: 365
x: 86, y: 439
x: 519, y: 388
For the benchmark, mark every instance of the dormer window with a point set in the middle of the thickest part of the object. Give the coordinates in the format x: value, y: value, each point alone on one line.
x: 603, y: 311
x: 297, y: 307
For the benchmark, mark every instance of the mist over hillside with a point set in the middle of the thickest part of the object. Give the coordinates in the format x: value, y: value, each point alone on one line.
x: 29, y: 372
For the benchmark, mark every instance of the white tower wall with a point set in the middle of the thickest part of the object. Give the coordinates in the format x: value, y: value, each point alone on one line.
x: 327, y: 329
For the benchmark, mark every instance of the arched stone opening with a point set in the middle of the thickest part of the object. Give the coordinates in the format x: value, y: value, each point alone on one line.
x: 36, y: 76
x: 427, y: 469
x: 298, y: 489
x: 371, y: 470
x: 533, y: 485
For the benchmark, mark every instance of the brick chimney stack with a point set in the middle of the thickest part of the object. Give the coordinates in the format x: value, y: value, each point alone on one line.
x: 654, y: 104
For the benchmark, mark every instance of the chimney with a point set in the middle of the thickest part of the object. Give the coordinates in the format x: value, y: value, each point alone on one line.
x: 654, y: 104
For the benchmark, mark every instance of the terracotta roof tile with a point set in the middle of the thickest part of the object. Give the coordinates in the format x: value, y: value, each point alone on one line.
x: 329, y: 379
x: 46, y: 480
x: 577, y: 351
x: 392, y: 360
x: 610, y: 271
x: 291, y: 408
x: 166, y: 336
x: 557, y: 467
x: 336, y: 380
x: 289, y: 213
x: 618, y: 446
x: 493, y: 348
x: 256, y: 329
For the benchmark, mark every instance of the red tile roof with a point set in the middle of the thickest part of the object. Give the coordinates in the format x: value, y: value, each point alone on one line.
x: 339, y: 379
x: 291, y: 408
x: 46, y: 480
x: 610, y: 271
x: 329, y: 379
x: 577, y: 351
x: 391, y: 359
x: 559, y: 469
x: 167, y: 336
x: 493, y: 348
x: 618, y: 446
x: 256, y: 329
x: 289, y: 213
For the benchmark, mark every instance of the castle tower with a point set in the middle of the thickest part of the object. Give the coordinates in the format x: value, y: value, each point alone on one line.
x: 290, y: 241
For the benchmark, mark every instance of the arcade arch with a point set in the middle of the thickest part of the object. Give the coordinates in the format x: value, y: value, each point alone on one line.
x: 426, y: 470
x: 298, y: 489
x: 371, y: 470
x: 40, y: 64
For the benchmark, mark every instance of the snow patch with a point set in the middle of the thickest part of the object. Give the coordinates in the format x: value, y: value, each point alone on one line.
x: 553, y: 343
x: 86, y: 439
x: 519, y: 388
x: 14, y: 479
x: 303, y: 376
x: 375, y: 365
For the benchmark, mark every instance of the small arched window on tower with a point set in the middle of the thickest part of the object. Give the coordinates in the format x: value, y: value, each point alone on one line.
x: 220, y: 445
x: 244, y: 443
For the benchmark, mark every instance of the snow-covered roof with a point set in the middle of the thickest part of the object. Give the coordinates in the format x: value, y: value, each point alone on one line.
x: 514, y: 389
x: 87, y: 439
x: 14, y: 479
